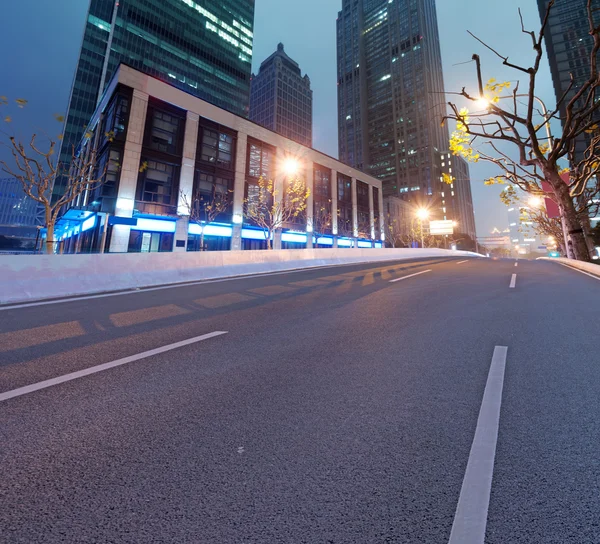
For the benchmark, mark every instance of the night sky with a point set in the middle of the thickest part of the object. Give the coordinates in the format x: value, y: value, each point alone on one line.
x: 40, y: 40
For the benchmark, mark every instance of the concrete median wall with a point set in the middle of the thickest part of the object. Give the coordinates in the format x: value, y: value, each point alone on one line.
x: 36, y: 277
x: 590, y: 268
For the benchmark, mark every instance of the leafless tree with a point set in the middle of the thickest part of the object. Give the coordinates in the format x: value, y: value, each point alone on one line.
x: 37, y: 169
x: 271, y: 210
x: 204, y: 211
x: 539, y: 157
x: 322, y: 219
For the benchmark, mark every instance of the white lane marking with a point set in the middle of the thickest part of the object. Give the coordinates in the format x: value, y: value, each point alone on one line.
x: 577, y: 270
x: 105, y: 366
x: 513, y: 281
x: 516, y: 264
x: 470, y: 520
x: 411, y: 276
x: 136, y: 290
x: 461, y: 262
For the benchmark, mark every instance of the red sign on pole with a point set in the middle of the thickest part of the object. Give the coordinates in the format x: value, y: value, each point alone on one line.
x: 552, y: 207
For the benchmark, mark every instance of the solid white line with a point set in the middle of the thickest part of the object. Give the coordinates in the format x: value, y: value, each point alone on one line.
x: 577, y: 270
x: 513, y: 281
x: 411, y: 276
x: 470, y: 519
x: 461, y: 262
x: 516, y: 264
x: 106, y: 366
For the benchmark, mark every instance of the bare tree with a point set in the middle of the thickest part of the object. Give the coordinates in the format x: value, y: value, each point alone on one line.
x: 322, y: 219
x: 417, y: 232
x: 36, y: 169
x: 345, y: 228
x: 271, y: 210
x: 539, y: 157
x: 394, y: 232
x: 204, y: 211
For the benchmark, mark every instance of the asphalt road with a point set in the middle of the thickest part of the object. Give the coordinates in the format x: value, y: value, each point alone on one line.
x: 339, y: 406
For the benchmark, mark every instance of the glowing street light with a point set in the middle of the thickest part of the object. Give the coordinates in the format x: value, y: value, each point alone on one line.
x: 536, y: 202
x: 482, y: 103
x: 291, y: 166
x: 422, y: 214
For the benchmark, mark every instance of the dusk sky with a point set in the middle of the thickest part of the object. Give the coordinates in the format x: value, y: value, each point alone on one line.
x: 39, y: 45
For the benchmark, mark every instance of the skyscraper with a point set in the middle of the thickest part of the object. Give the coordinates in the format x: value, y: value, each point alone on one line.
x: 202, y: 47
x: 390, y: 97
x: 281, y: 99
x: 569, y: 46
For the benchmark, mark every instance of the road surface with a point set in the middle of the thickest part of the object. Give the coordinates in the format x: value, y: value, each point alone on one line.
x: 431, y: 401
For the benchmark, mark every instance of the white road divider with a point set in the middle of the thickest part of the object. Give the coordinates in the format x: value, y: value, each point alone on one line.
x: 25, y: 278
x: 590, y: 269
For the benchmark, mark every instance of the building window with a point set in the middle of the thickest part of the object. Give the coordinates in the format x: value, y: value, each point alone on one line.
x: 157, y: 183
x: 110, y: 163
x: 217, y: 147
x: 213, y: 189
x: 261, y: 160
x: 344, y: 189
x: 164, y: 132
x: 147, y: 242
x: 114, y: 122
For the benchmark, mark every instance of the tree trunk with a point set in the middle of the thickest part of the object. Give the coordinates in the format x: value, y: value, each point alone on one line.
x: 50, y: 238
x: 569, y: 213
x: 587, y: 232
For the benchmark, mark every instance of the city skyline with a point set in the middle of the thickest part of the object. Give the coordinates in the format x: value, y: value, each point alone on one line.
x: 274, y: 23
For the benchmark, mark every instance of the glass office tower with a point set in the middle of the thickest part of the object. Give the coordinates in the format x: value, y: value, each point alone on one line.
x: 390, y: 95
x: 281, y: 98
x: 202, y: 47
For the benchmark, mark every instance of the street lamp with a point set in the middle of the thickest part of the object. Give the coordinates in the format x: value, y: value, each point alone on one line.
x: 536, y: 202
x: 422, y: 215
x: 291, y: 166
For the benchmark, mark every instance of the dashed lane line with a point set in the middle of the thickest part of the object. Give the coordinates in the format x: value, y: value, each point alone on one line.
x: 105, y: 366
x: 470, y: 520
x: 411, y: 276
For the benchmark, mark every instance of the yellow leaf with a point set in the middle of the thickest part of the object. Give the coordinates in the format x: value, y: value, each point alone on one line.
x: 60, y: 136
x: 60, y: 118
x: 21, y: 102
x: 8, y: 119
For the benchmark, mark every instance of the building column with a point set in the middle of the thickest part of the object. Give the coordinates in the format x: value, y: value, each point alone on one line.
x: 181, y: 233
x: 371, y: 216
x: 186, y: 180
x: 239, y: 189
x: 334, y: 208
x: 354, y: 213
x: 310, y: 185
x: 130, y: 169
x: 278, y: 184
